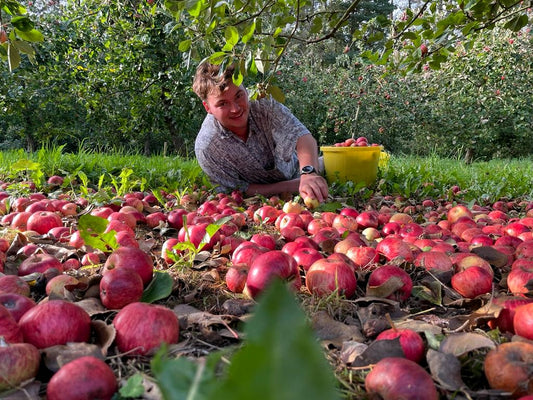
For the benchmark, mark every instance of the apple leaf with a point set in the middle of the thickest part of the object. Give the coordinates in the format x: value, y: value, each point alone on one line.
x: 133, y: 387
x: 92, y: 231
x: 280, y: 357
x: 159, y: 288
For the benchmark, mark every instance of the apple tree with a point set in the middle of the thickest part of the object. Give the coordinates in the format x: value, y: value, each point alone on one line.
x: 256, y: 35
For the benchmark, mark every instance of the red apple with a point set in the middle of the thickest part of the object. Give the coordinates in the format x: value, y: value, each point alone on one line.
x: 246, y: 253
x: 523, y: 320
x: 61, y: 283
x: 345, y: 223
x: 131, y: 258
x: 411, y: 342
x: 392, y: 248
x: 316, y: 225
x: 327, y: 234
x: 86, y: 378
x: 457, y: 212
x: 524, y: 249
x: 9, y: 329
x: 55, y: 322
x: 367, y: 219
x: 306, y: 256
x: 434, y: 261
x: 196, y: 233
x: 399, y: 378
x: 264, y: 240
x: 345, y: 245
x: 269, y: 265
x: 236, y: 277
x: 120, y: 287
x: 167, y: 250
x: 504, y: 320
x: 520, y: 279
x: 39, y: 262
x: 90, y: 258
x: 289, y: 220
x: 20, y: 363
x: 266, y: 215
x: 364, y: 257
x: 326, y: 276
x: 142, y: 328
x: 175, y: 218
x: 14, y: 284
x: 472, y: 281
x: 396, y: 283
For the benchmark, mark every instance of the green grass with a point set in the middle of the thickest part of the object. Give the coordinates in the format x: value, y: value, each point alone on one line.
x: 408, y: 176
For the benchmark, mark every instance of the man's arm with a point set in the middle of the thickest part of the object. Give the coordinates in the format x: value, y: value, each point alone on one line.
x: 311, y: 185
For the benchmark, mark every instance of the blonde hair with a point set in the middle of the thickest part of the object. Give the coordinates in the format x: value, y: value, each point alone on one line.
x: 209, y: 77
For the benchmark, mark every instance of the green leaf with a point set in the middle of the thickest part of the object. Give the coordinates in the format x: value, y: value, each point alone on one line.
x: 517, y: 23
x: 22, y: 23
x: 23, y: 47
x: 316, y: 26
x: 159, y: 288
x: 25, y: 165
x: 32, y: 35
x: 13, y: 57
x: 232, y: 35
x: 248, y: 32
x: 184, y: 45
x: 281, y: 355
x: 276, y: 93
x: 133, y: 387
x: 181, y: 378
x: 92, y: 231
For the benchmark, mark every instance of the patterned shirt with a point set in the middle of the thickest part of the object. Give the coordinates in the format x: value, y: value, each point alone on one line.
x: 268, y: 156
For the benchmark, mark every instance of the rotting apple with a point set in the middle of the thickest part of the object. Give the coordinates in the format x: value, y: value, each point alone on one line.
x: 86, y: 377
x: 508, y: 368
x: 411, y: 342
x: 55, y: 322
x: 142, y: 328
x: 20, y: 363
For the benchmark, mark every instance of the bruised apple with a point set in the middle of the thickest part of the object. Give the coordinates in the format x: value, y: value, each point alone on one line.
x: 411, y: 342
x: 55, y: 322
x: 395, y: 378
x: 20, y: 362
x: 84, y: 378
x: 39, y: 262
x: 16, y: 304
x: 142, y: 328
x: 508, y: 367
x: 326, y: 276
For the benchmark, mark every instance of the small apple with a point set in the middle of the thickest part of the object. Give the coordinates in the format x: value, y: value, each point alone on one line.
x: 141, y: 328
x: 236, y: 277
x: 311, y: 203
x: 86, y: 377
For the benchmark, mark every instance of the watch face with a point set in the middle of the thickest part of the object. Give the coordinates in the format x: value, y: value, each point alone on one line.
x: 308, y: 169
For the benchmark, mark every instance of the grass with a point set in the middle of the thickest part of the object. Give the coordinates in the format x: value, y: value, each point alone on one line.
x: 411, y: 177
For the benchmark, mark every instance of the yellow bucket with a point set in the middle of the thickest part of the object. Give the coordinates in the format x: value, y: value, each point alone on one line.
x: 357, y: 164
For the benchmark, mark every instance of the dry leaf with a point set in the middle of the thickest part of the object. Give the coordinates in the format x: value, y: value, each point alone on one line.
x: 445, y: 369
x: 458, y: 344
x: 335, y: 332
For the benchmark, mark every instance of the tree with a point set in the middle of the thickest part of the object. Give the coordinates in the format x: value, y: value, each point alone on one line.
x: 255, y: 35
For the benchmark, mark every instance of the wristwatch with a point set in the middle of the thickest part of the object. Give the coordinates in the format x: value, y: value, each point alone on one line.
x: 308, y: 169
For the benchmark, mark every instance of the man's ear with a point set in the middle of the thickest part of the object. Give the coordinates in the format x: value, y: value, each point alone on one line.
x: 206, y: 106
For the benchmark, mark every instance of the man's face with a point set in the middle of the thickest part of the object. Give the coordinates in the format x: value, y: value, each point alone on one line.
x: 230, y: 108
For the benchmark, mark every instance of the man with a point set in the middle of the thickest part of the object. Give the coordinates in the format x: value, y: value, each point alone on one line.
x: 257, y: 147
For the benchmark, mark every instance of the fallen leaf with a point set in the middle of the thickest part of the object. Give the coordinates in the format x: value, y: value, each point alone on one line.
x: 458, y: 344
x: 335, y: 332
x: 445, y: 369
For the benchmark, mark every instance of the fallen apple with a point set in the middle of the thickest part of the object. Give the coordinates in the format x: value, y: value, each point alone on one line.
x: 16, y: 304
x: 84, y: 378
x: 20, y: 362
x: 14, y: 284
x: 9, y: 329
x: 142, y: 328
x: 120, y: 287
x: 411, y: 342
x: 55, y: 322
x: 326, y: 276
x: 131, y: 258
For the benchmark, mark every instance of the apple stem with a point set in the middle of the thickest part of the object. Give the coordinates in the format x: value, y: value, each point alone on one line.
x: 390, y: 321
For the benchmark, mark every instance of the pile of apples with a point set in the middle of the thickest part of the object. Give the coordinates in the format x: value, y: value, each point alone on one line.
x: 361, y: 141
x: 373, y: 252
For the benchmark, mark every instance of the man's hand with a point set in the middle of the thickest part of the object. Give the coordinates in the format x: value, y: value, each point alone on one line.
x: 313, y: 186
